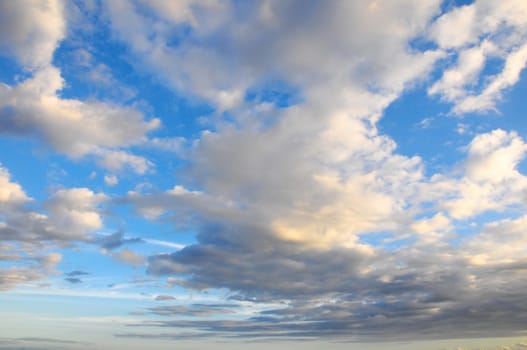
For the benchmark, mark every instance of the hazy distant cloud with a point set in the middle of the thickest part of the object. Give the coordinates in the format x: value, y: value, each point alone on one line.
x: 34, y: 268
x: 129, y: 257
x: 73, y: 280
x: 76, y: 273
x: 194, y: 310
x: 111, y: 180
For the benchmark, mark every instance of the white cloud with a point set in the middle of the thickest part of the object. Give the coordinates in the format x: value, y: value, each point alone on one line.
x: 31, y: 30
x: 11, y: 193
x: 111, y: 180
x: 491, y: 180
x: 495, y: 156
x: 118, y: 160
x: 476, y: 32
x: 500, y: 242
x: 40, y: 268
x: 72, y: 127
x: 129, y: 257
x: 75, y: 211
x: 303, y: 54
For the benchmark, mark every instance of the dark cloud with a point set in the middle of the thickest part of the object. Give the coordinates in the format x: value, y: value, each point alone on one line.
x: 408, y: 293
x: 164, y: 297
x: 76, y: 273
x: 73, y: 280
x: 194, y: 310
x: 115, y: 240
x: 26, y: 343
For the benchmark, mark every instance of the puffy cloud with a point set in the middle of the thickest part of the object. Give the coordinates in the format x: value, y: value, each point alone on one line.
x: 111, y: 180
x: 31, y: 30
x: 75, y: 211
x: 119, y: 160
x: 69, y: 215
x: 32, y: 269
x: 11, y: 193
x: 478, y: 32
x: 491, y: 180
x: 129, y: 257
x: 495, y: 156
x: 303, y: 54
x: 72, y: 127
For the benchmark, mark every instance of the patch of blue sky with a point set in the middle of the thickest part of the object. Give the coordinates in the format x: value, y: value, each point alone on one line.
x: 448, y: 5
x: 277, y: 92
x: 422, y: 44
x: 33, y: 172
x: 385, y: 241
x: 10, y: 71
x: 420, y: 127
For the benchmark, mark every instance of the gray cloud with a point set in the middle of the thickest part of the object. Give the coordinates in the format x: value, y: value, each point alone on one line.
x: 73, y: 280
x: 76, y: 273
x: 193, y: 310
x: 115, y: 240
x: 285, y: 209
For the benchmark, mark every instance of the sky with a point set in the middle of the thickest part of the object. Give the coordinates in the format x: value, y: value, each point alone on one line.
x: 295, y: 174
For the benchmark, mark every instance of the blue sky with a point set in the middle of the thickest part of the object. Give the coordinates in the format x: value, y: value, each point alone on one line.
x: 285, y: 174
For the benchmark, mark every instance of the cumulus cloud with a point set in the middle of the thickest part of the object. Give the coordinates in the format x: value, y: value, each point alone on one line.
x: 72, y: 127
x: 129, y: 257
x: 34, y: 107
x: 287, y: 210
x: 32, y: 30
x: 303, y: 54
x: 307, y: 206
x: 28, y: 269
x: 477, y: 33
x: 69, y: 215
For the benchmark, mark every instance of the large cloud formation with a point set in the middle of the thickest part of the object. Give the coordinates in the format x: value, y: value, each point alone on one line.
x: 305, y: 210
x: 310, y: 205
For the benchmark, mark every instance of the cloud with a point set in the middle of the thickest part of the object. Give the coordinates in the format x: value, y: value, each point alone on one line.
x: 68, y: 216
x: 305, y: 211
x: 32, y: 33
x: 11, y: 193
x: 34, y: 106
x: 111, y: 180
x: 119, y: 160
x: 115, y: 240
x: 129, y: 257
x: 302, y: 54
x: 251, y: 242
x: 73, y: 280
x: 33, y: 268
x: 476, y: 34
x: 76, y: 273
x: 194, y: 310
x: 70, y: 126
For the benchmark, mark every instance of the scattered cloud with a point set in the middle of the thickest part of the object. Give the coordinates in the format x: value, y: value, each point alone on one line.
x: 73, y: 280
x: 111, y: 180
x: 129, y: 257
